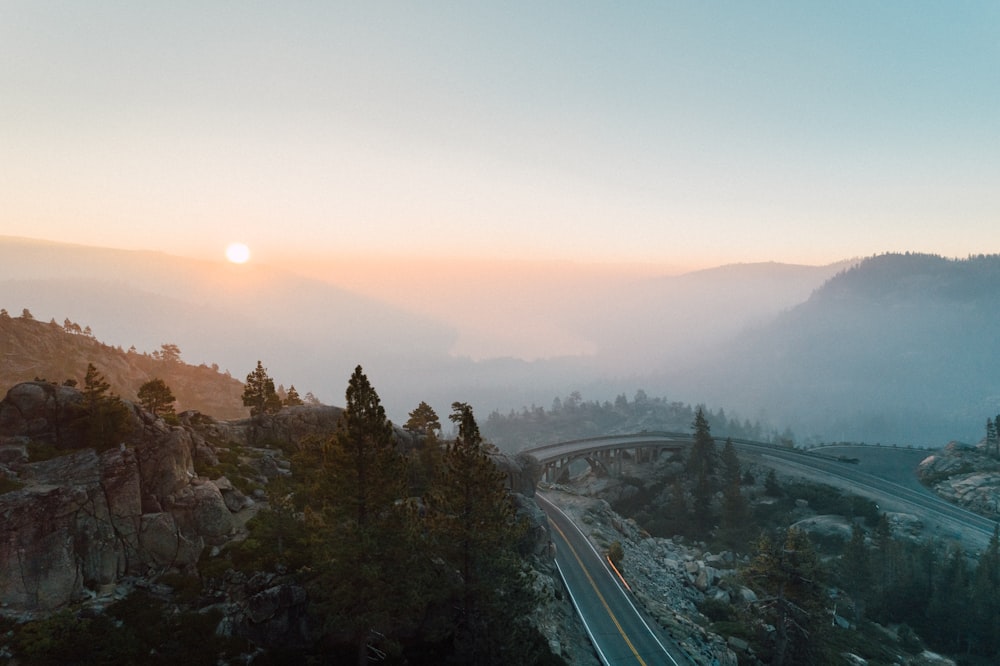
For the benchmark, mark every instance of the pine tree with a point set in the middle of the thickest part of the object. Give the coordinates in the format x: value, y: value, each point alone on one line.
x: 991, y: 437
x: 702, y: 454
x: 156, y: 397
x: 292, y: 398
x: 949, y: 603
x: 735, y: 515
x: 986, y: 598
x: 856, y: 570
x: 477, y: 531
x: 730, y: 464
x: 423, y: 421
x: 792, y: 596
x: 105, y: 420
x: 992, y: 441
x: 366, y: 535
x: 425, y: 458
x: 260, y: 396
x: 678, y: 513
x: 258, y: 392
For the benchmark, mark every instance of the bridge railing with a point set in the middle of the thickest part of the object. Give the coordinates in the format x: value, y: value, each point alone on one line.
x: 684, y: 436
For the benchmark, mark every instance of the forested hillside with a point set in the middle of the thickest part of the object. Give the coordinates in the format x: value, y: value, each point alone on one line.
x: 31, y: 349
x: 901, y: 348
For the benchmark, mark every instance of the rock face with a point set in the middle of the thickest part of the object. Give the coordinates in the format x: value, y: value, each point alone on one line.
x: 84, y: 520
x: 41, y: 412
x: 965, y: 475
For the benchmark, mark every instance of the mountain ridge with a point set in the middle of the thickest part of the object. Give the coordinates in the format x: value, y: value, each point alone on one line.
x: 899, y: 348
x: 31, y: 350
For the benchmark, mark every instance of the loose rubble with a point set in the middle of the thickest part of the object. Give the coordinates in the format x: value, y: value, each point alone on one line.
x: 667, y: 576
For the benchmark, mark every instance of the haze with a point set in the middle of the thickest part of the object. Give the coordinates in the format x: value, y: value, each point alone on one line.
x: 504, y: 171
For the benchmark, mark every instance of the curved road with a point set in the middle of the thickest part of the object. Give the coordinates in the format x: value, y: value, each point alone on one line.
x: 962, y: 524
x: 619, y: 632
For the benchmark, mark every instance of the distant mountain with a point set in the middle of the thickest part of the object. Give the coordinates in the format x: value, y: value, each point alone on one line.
x: 895, y: 348
x: 32, y: 349
x: 901, y: 348
x: 663, y: 320
x: 306, y: 332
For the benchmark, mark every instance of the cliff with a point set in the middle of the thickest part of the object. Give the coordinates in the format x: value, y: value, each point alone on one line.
x: 80, y: 522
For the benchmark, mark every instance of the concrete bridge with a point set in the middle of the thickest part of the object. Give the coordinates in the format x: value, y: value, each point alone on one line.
x: 605, y: 454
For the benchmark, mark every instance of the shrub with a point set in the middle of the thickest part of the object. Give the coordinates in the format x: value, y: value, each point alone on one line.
x: 717, y: 611
x: 616, y: 553
x: 39, y: 451
x: 9, y: 485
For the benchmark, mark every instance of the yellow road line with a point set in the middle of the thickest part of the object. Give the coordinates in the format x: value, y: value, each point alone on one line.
x: 599, y: 595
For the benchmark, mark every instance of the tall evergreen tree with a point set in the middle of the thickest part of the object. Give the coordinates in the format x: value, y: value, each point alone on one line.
x: 702, y: 456
x: 947, y: 621
x: 996, y: 438
x: 735, y: 515
x: 95, y: 386
x: 788, y: 576
x: 259, y: 393
x: 425, y: 458
x: 986, y: 598
x: 260, y: 396
x: 477, y: 531
x: 677, y: 517
x: 856, y: 570
x: 730, y: 464
x: 991, y: 437
x: 366, y: 534
x: 106, y: 418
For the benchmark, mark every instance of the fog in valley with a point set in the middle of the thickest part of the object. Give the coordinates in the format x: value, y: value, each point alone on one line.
x: 895, y: 349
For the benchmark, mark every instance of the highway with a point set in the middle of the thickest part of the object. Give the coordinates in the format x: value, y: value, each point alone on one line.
x: 964, y: 525
x: 619, y: 632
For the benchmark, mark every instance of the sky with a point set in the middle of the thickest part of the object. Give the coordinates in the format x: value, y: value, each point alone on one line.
x: 653, y: 136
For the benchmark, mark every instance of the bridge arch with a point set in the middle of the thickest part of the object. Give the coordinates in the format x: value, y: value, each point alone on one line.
x: 605, y: 454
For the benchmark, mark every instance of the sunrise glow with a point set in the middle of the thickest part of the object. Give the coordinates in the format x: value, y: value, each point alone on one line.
x: 237, y: 253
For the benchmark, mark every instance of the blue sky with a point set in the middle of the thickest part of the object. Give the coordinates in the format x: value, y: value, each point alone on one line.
x: 667, y: 134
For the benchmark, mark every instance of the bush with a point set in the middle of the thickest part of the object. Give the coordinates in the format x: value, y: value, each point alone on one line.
x: 39, y: 451
x: 187, y: 589
x: 717, y: 611
x: 9, y: 485
x: 908, y: 639
x: 66, y: 638
x: 616, y: 553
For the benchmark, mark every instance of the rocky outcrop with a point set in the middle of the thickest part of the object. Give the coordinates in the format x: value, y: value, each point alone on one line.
x: 84, y: 520
x: 965, y: 475
x: 41, y: 412
x: 268, y: 610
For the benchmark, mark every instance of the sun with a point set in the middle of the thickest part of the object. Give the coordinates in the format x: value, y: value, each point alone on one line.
x: 237, y: 253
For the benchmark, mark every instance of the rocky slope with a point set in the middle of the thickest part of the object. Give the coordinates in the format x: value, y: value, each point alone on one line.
x: 965, y: 475
x: 674, y: 578
x: 668, y: 577
x: 81, y: 522
x: 89, y: 528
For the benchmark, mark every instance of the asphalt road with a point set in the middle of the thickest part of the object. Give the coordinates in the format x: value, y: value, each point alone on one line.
x: 619, y: 631
x: 952, y: 522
